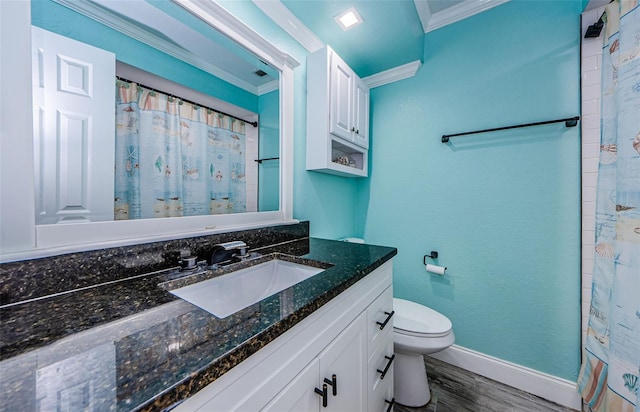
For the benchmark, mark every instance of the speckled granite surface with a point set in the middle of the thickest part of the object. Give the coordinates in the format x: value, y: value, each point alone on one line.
x: 125, y: 343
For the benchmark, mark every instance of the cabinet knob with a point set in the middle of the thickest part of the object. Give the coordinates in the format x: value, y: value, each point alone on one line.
x: 389, y: 316
x: 357, y: 131
x: 383, y: 373
x: 333, y: 383
x: 353, y: 129
x: 323, y: 392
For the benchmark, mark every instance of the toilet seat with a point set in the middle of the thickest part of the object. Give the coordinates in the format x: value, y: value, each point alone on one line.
x: 413, y: 319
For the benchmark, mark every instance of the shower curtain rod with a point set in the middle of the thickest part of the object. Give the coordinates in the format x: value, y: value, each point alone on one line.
x: 568, y: 122
x: 254, y: 124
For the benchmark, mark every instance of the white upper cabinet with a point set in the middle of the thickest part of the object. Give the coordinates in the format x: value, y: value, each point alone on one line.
x: 337, y: 116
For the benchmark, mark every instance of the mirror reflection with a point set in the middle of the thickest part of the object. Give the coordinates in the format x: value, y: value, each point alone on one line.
x: 195, y: 129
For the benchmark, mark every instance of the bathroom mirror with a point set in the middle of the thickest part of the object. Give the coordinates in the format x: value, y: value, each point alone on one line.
x: 171, y: 24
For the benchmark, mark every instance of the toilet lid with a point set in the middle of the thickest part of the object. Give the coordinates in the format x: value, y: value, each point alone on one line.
x: 414, y: 318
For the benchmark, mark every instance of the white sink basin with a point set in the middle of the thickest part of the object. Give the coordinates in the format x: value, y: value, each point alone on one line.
x: 227, y: 294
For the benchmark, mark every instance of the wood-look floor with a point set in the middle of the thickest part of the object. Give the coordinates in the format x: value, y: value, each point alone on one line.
x: 457, y: 390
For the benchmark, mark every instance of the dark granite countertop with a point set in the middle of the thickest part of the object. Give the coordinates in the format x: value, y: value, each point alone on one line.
x: 131, y: 345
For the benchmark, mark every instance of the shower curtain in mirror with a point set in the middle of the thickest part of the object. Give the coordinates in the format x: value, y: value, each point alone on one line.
x: 611, y: 365
x: 174, y: 158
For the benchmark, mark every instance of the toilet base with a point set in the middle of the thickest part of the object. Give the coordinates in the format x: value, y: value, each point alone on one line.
x: 411, y: 387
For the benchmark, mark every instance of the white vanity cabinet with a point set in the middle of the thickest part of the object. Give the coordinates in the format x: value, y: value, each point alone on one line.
x: 342, y: 338
x: 340, y: 365
x: 337, y: 116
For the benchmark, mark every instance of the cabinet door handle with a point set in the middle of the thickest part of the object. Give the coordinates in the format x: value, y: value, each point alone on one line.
x: 391, y: 403
x: 389, y: 316
x: 353, y: 129
x: 357, y: 131
x: 386, y: 368
x: 323, y: 392
x: 333, y: 383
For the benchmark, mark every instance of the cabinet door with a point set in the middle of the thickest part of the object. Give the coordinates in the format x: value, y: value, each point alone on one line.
x: 346, y: 358
x: 299, y: 395
x: 361, y: 114
x: 340, y: 98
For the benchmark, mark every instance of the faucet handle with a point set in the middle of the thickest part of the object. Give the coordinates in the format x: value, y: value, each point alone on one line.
x: 188, y: 262
x: 236, y: 244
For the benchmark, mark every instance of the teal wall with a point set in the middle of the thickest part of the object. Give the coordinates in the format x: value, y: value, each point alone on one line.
x: 269, y: 171
x: 502, y: 209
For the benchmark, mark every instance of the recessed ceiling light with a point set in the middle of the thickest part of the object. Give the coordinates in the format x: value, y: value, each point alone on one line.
x: 349, y: 19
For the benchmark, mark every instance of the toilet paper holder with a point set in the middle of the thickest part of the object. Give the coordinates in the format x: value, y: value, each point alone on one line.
x: 433, y: 255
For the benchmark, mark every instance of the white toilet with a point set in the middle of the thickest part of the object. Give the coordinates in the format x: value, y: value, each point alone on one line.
x: 417, y: 331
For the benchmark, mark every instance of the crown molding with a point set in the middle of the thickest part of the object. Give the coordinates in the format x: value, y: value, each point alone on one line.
x: 454, y: 13
x: 284, y: 18
x: 219, y: 18
x: 424, y: 13
x: 393, y: 75
x: 268, y: 87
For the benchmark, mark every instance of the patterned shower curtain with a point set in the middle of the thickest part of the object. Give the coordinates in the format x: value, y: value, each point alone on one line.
x: 611, y: 366
x: 174, y: 158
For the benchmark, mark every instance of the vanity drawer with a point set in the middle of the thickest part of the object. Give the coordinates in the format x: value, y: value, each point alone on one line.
x: 380, y: 390
x: 380, y: 319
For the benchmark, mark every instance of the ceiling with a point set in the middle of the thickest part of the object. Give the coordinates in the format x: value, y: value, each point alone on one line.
x: 392, y: 33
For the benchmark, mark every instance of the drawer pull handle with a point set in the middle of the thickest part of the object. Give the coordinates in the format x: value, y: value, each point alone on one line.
x: 386, y: 368
x: 391, y: 403
x: 323, y: 392
x: 333, y: 383
x: 389, y: 316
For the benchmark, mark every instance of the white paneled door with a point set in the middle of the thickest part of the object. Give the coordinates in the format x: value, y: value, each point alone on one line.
x: 74, y: 129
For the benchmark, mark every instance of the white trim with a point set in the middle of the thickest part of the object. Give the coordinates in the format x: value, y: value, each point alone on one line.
x: 283, y: 17
x: 17, y: 207
x: 219, y: 18
x: 268, y: 87
x: 163, y: 234
x: 459, y: 12
x: 424, y: 12
x: 286, y: 141
x: 393, y: 75
x: 552, y: 388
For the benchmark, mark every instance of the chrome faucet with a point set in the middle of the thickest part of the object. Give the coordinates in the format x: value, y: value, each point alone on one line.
x: 226, y: 251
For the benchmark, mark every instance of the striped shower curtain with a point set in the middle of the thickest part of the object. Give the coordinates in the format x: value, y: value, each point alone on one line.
x: 174, y: 158
x: 608, y: 380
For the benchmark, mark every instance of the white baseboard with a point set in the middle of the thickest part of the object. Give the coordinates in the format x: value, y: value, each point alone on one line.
x: 552, y: 388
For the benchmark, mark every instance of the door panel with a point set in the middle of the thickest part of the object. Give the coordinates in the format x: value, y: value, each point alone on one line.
x: 299, y: 395
x: 340, y: 101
